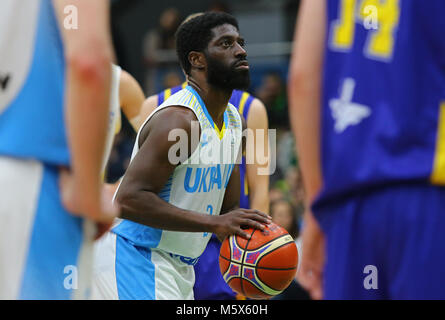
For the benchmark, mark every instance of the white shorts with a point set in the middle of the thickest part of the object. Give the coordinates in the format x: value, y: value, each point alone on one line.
x: 126, y: 272
x: 44, y: 251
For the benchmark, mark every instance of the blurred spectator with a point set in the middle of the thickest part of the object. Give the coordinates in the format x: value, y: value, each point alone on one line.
x: 162, y: 37
x: 272, y: 92
x: 275, y: 194
x: 290, y: 10
x: 172, y: 79
x: 286, y: 151
x: 283, y: 214
x: 219, y: 6
x: 159, y: 48
x: 120, y: 156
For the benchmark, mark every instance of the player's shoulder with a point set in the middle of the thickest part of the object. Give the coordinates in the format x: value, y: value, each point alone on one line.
x: 257, y: 115
x: 257, y: 106
x: 167, y: 93
x: 165, y: 120
x: 242, y: 100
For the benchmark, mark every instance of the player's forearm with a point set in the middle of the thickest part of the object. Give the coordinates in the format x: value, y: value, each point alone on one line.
x: 304, y: 89
x: 147, y: 208
x: 87, y: 112
x: 305, y: 122
x: 132, y: 97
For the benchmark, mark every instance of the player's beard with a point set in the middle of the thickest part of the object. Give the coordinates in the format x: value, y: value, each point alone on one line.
x: 226, y: 77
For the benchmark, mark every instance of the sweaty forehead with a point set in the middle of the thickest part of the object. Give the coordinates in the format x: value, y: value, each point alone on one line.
x: 224, y: 30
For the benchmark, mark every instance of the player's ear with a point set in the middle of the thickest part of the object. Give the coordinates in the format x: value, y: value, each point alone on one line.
x: 197, y: 60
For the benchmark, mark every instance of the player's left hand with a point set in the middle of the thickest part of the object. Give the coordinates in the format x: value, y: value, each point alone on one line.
x: 310, y: 273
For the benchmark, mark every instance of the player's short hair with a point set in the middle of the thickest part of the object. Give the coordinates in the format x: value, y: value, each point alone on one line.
x: 196, y: 33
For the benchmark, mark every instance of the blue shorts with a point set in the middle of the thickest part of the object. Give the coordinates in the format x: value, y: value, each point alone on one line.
x: 386, y: 244
x: 43, y: 252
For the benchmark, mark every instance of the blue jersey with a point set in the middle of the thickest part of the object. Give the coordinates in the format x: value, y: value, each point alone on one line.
x: 383, y: 95
x: 32, y: 119
x: 242, y: 101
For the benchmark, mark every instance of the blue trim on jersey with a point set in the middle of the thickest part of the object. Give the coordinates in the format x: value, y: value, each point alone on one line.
x: 55, y: 244
x: 33, y: 125
x: 164, y: 194
x: 161, y: 98
x: 140, y: 235
x: 226, y: 119
x: 186, y: 260
x: 135, y: 272
x: 204, y: 108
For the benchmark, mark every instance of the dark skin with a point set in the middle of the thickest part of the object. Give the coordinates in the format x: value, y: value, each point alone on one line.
x: 150, y: 169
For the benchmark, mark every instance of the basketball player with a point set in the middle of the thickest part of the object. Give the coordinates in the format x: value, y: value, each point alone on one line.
x: 170, y: 209
x: 369, y: 126
x: 53, y: 114
x: 209, y: 284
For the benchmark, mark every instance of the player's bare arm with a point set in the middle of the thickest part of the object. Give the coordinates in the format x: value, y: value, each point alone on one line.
x: 88, y: 54
x: 147, y: 108
x: 150, y: 170
x: 257, y: 179
x: 304, y: 97
x: 131, y: 99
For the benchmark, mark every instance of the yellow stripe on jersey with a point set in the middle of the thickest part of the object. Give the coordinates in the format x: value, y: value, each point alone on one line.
x: 184, y: 85
x: 438, y: 174
x: 220, y: 133
x: 242, y: 103
x: 118, y: 127
x: 246, y: 187
x: 167, y: 93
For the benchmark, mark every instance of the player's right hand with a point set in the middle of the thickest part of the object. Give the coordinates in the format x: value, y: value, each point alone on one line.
x: 233, y: 222
x: 100, y: 209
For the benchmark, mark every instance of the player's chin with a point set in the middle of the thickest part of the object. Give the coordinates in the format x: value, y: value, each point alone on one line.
x: 241, y: 81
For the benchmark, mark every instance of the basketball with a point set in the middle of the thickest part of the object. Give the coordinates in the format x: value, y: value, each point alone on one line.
x: 261, y: 267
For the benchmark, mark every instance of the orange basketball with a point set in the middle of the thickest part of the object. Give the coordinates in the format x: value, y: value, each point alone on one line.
x: 261, y: 267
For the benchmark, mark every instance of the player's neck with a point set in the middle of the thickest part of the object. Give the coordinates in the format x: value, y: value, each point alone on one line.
x: 215, y: 99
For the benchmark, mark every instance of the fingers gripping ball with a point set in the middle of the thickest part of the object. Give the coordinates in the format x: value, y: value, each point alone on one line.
x: 261, y: 267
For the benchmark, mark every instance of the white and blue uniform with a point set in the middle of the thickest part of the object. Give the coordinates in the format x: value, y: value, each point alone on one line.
x: 135, y: 261
x: 41, y: 245
x: 45, y: 252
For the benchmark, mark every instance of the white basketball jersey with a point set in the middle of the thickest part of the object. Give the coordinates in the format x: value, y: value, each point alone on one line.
x: 114, y: 121
x: 197, y: 184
